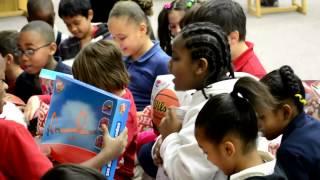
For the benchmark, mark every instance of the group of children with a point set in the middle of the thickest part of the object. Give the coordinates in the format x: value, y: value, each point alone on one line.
x: 212, y: 65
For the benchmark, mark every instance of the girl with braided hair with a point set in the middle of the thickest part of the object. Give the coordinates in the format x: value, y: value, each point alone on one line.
x: 299, y: 151
x: 200, y: 60
x: 226, y: 129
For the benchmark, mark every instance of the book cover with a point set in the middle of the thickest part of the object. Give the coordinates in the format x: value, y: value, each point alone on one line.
x: 77, y: 111
x: 47, y: 78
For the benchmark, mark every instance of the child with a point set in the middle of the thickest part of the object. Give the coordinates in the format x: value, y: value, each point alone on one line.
x: 100, y: 64
x: 201, y: 61
x: 43, y: 10
x: 169, y: 21
x: 8, y: 46
x: 230, y: 16
x: 163, y: 97
x: 226, y: 129
x: 145, y: 59
x: 36, y: 47
x: 77, y: 15
x: 298, y: 153
x: 30, y: 163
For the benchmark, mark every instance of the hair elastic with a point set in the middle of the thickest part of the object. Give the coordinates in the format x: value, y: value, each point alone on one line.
x: 301, y: 99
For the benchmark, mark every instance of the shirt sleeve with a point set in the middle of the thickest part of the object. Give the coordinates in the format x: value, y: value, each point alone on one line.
x: 183, y: 158
x: 23, y: 159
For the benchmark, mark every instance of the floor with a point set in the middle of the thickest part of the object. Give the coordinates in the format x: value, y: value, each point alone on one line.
x: 283, y: 38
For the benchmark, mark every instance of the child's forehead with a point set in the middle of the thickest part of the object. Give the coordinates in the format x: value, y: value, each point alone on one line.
x: 31, y: 37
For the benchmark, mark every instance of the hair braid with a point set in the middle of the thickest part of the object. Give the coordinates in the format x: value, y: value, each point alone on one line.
x: 206, y: 40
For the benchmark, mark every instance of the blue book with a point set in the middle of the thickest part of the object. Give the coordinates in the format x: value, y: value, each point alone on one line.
x: 73, y: 126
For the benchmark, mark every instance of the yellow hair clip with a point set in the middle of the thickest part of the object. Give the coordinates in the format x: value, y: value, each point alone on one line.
x: 301, y: 99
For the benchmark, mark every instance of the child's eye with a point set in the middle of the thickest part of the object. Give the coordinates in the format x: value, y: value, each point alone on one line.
x: 122, y: 38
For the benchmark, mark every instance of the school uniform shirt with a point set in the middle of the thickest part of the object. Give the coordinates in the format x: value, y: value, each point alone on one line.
x: 143, y: 73
x: 20, y: 156
x: 248, y: 62
x: 125, y: 169
x: 264, y: 169
x: 182, y: 157
x: 28, y: 85
x: 299, y: 151
x: 70, y: 47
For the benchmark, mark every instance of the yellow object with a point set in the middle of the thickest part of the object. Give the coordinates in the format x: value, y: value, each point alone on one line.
x: 13, y: 7
x: 254, y: 8
x: 301, y: 99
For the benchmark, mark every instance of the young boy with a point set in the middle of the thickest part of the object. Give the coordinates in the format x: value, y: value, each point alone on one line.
x: 36, y: 47
x: 230, y: 16
x: 77, y: 15
x: 8, y: 46
x: 43, y: 10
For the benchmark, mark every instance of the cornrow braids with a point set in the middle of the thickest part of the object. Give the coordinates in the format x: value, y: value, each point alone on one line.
x: 284, y: 84
x: 293, y: 85
x: 206, y: 40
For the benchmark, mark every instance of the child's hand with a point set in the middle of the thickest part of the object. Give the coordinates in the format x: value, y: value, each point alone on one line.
x: 169, y: 124
x: 31, y: 108
x: 114, y: 146
x: 157, y: 160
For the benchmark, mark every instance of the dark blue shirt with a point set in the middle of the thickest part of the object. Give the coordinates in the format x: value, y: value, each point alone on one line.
x: 28, y: 85
x: 299, y: 153
x: 143, y: 73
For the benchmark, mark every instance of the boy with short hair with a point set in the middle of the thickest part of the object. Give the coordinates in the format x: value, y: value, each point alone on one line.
x: 8, y: 46
x: 43, y: 10
x: 77, y: 15
x: 230, y: 16
x: 36, y: 47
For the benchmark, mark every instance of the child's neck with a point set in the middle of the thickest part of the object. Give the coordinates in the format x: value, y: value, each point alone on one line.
x: 52, y: 64
x: 119, y: 93
x: 249, y: 160
x: 143, y: 49
x: 87, y: 39
x: 238, y: 50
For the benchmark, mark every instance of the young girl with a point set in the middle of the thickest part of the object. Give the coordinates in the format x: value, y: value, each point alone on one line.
x: 299, y: 151
x: 145, y: 60
x: 169, y: 21
x: 227, y: 131
x: 100, y: 65
x: 200, y: 60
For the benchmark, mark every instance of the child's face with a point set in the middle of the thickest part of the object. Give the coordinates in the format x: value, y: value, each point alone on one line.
x: 215, y: 153
x: 35, y: 51
x: 3, y: 85
x: 127, y: 34
x: 183, y: 68
x: 270, y: 122
x: 174, y: 18
x: 79, y: 26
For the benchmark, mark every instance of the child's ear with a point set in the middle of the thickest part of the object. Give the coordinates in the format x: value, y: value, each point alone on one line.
x: 234, y: 37
x: 287, y: 112
x: 202, y: 66
x: 53, y: 48
x: 143, y: 28
x: 229, y: 149
x: 90, y: 14
x: 9, y: 59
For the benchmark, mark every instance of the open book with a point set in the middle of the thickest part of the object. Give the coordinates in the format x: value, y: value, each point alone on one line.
x: 77, y: 111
